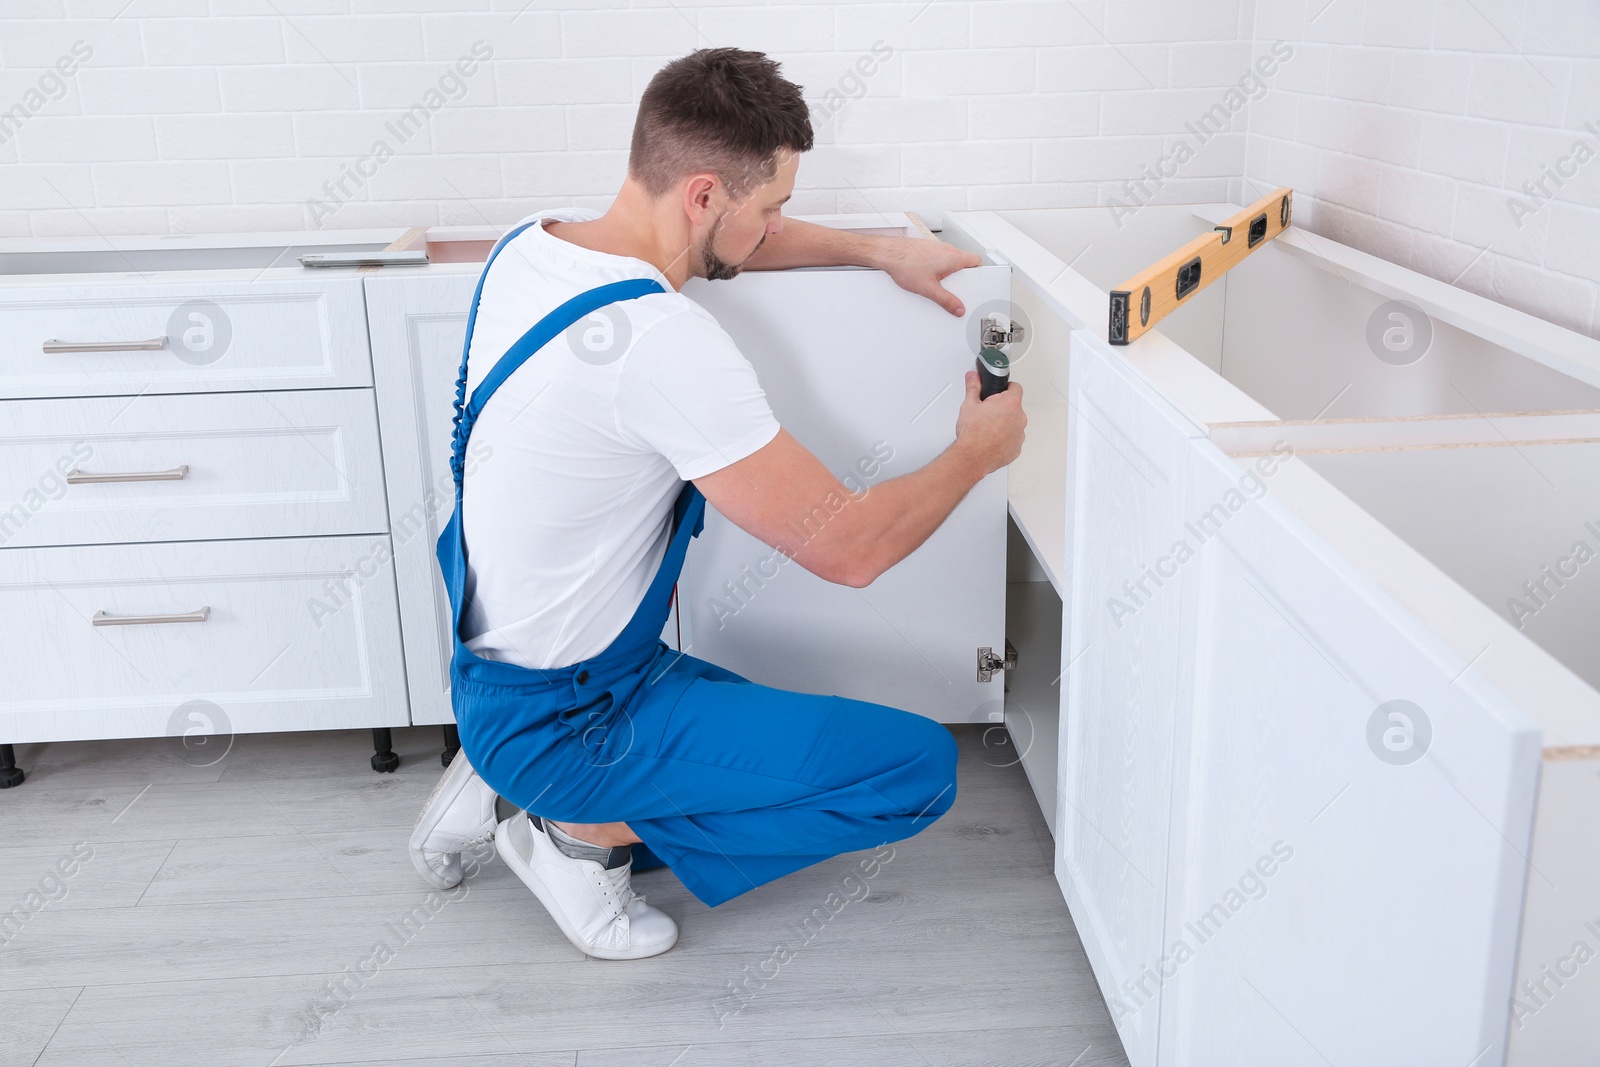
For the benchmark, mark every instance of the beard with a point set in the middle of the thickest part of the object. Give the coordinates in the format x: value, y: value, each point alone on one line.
x: 716, y: 268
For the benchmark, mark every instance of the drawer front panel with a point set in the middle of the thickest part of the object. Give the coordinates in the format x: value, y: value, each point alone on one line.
x: 293, y: 634
x: 195, y: 336
x: 173, y: 468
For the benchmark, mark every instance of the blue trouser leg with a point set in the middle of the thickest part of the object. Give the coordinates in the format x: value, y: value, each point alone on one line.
x: 755, y: 783
x: 734, y: 784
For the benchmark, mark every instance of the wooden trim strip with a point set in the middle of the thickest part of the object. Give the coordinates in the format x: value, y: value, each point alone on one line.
x: 916, y: 221
x: 1423, y: 447
x: 411, y: 240
x: 1529, y: 429
x: 1572, y: 752
x: 1370, y: 419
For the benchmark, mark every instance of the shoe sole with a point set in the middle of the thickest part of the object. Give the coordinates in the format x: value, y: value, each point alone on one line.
x: 454, y: 780
x: 511, y: 858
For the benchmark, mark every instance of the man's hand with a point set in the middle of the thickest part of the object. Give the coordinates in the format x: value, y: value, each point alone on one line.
x: 918, y: 265
x: 992, y: 428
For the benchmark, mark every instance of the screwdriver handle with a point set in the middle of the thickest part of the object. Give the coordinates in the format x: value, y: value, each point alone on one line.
x: 994, y: 372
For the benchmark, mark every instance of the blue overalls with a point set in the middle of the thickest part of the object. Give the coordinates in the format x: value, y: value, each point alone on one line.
x: 729, y: 783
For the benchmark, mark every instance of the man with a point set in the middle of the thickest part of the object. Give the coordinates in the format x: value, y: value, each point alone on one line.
x: 599, y: 431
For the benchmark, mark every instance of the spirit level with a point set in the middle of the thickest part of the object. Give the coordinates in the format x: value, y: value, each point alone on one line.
x: 1152, y: 294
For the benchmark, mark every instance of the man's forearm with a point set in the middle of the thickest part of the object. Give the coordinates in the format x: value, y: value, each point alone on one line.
x: 896, y: 516
x: 806, y: 244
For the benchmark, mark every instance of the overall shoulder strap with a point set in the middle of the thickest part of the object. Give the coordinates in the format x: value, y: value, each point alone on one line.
x: 537, y: 337
x: 548, y: 327
x: 456, y: 439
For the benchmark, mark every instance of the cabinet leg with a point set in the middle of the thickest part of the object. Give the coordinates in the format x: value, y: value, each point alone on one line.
x: 383, y: 758
x: 10, y: 773
x: 452, y: 744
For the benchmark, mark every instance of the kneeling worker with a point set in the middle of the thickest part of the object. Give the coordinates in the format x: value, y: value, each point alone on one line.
x: 584, y: 456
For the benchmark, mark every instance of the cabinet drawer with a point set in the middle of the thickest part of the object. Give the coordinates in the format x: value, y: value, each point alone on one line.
x: 172, y: 468
x: 293, y: 634
x: 180, y: 337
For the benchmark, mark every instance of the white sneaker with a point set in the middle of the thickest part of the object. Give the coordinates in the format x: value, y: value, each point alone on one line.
x: 597, y: 909
x: 458, y: 814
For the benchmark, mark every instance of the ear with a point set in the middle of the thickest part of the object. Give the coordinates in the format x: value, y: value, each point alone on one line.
x: 699, y: 197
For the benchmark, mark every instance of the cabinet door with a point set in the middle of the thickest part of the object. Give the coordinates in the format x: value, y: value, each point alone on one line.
x: 1122, y: 647
x: 1347, y: 804
x: 418, y: 323
x: 869, y: 377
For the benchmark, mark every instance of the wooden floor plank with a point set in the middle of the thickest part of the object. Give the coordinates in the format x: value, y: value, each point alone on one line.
x: 77, y: 874
x: 550, y: 1008
x: 29, y: 1018
x: 225, y: 904
x: 1054, y: 1046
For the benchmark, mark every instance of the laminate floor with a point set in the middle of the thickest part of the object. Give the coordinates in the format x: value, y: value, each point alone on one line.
x: 261, y: 911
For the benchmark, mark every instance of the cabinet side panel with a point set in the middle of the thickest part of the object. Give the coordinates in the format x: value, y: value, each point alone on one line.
x: 1557, y: 995
x: 1354, y: 816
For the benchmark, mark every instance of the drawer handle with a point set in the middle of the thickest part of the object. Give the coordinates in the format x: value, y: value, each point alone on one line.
x: 102, y: 619
x: 176, y: 474
x: 52, y: 346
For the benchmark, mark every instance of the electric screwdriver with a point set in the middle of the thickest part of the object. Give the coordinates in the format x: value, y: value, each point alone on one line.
x: 994, y: 372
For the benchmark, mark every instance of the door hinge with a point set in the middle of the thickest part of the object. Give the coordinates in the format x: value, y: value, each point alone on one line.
x: 989, y: 663
x: 1000, y: 330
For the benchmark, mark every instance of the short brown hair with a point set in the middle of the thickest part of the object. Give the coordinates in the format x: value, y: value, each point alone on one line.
x: 723, y: 110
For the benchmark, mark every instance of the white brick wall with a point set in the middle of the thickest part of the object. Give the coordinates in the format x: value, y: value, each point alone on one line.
x: 1421, y: 124
x: 229, y: 114
x: 1405, y: 125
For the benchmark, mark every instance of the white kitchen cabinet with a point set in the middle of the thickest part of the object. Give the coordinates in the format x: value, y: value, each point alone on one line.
x: 188, y: 447
x: 211, y: 391
x: 1269, y: 860
x: 865, y: 374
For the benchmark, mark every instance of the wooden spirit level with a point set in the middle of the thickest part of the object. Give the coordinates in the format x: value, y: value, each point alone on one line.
x: 1149, y: 296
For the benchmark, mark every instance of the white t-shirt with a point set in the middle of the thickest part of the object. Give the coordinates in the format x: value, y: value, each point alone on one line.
x: 575, y: 462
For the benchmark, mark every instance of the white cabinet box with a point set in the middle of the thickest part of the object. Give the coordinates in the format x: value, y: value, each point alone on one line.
x: 187, y: 427
x: 856, y: 368
x: 1317, y: 798
x: 97, y: 335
